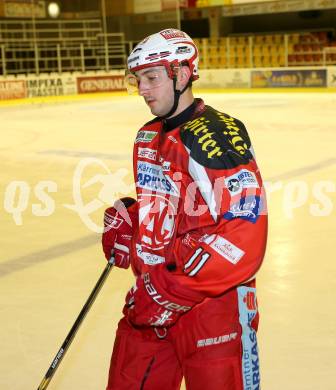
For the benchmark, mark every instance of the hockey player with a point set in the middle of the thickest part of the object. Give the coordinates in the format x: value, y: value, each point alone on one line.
x: 195, y: 236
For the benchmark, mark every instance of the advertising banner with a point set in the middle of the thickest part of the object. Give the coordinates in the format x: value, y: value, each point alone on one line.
x: 51, y: 86
x: 249, y: 1
x: 24, y: 8
x: 91, y: 84
x: 332, y: 77
x: 12, y: 89
x: 291, y: 78
x: 251, y: 7
x: 223, y: 78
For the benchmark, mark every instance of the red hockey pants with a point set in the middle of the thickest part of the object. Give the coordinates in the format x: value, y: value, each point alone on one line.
x: 214, y: 347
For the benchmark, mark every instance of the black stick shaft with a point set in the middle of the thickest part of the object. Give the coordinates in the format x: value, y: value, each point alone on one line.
x: 69, y: 338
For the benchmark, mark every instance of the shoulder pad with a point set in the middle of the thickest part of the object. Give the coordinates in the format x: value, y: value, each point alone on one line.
x: 216, y: 140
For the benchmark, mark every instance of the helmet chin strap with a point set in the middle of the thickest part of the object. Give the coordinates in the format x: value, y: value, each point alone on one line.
x: 177, y: 95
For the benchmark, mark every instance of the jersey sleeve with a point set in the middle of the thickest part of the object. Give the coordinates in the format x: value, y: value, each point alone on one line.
x: 225, y: 246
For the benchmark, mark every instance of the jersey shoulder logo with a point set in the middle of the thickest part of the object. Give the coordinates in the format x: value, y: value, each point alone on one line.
x: 241, y: 180
x: 248, y: 208
x: 145, y: 136
x: 217, y: 140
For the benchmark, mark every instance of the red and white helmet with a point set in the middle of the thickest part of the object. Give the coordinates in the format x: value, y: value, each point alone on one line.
x: 169, y: 48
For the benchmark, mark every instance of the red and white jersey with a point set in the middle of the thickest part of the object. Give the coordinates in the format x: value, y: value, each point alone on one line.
x: 201, y: 202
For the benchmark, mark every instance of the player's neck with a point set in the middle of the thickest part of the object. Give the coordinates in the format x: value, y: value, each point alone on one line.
x: 177, y: 120
x: 185, y: 100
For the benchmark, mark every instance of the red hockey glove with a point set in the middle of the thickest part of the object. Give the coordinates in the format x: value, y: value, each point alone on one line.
x: 119, y: 223
x: 158, y: 299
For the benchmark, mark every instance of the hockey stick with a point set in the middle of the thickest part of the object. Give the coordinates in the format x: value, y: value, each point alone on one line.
x: 68, y: 340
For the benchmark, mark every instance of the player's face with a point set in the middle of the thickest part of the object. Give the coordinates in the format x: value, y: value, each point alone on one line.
x: 156, y: 88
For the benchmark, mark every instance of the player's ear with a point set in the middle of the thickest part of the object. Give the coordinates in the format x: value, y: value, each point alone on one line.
x: 183, y: 76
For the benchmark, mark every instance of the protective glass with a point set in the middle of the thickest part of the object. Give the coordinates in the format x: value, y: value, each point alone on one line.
x: 150, y: 78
